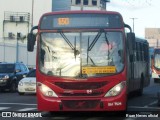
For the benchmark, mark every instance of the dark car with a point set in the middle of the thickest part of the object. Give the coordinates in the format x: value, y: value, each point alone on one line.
x: 11, y: 74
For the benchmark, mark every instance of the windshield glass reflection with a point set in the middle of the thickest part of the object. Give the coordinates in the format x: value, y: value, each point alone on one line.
x: 81, y: 54
x: 157, y: 60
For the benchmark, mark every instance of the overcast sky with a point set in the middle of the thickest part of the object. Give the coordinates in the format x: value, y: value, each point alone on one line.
x: 145, y: 12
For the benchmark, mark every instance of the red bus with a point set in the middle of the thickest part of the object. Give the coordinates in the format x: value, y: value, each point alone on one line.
x: 155, y: 65
x: 87, y: 62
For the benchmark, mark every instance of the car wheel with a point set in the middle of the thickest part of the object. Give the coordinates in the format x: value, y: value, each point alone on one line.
x: 13, y: 87
x: 21, y: 93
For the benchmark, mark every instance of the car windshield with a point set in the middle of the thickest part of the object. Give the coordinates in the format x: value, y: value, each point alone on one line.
x: 32, y: 73
x: 81, y: 54
x: 7, y: 68
x: 157, y: 59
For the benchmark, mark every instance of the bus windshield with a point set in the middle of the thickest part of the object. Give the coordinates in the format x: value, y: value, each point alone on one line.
x: 157, y: 58
x: 81, y: 54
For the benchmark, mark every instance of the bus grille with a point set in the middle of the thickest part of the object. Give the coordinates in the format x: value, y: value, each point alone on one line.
x: 80, y: 104
x: 80, y: 85
x: 81, y: 94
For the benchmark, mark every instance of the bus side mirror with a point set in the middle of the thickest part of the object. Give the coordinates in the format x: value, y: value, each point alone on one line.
x: 31, y: 38
x: 131, y: 41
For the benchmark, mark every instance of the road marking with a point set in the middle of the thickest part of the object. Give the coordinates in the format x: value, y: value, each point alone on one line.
x: 27, y: 109
x: 4, y: 108
x: 129, y: 119
x: 157, y: 108
x: 16, y: 104
x: 152, y: 103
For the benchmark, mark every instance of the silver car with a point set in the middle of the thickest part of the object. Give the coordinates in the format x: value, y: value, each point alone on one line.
x: 28, y: 83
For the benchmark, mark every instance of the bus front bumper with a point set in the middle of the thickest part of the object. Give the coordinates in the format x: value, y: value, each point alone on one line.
x: 117, y: 103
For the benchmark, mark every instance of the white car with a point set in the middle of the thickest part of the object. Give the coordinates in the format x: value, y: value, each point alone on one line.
x: 28, y: 83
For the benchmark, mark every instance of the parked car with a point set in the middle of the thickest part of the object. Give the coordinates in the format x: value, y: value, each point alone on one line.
x: 28, y: 83
x: 10, y: 74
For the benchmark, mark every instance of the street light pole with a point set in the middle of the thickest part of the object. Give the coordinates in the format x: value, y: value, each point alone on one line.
x: 32, y: 12
x: 133, y: 22
x: 17, y: 47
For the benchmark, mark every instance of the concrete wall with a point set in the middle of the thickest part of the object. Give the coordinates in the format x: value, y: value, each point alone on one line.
x: 9, y: 52
x: 153, y: 36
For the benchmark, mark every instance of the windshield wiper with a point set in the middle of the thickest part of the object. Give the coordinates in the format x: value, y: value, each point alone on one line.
x: 95, y: 40
x: 89, y: 48
x: 107, y: 41
x: 88, y: 54
x: 76, y: 52
x: 66, y: 39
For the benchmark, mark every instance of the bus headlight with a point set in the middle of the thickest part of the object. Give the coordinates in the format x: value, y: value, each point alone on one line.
x: 116, y: 90
x: 46, y: 91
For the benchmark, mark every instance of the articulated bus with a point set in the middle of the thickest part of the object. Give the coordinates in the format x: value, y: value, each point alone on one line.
x: 155, y: 65
x: 86, y: 61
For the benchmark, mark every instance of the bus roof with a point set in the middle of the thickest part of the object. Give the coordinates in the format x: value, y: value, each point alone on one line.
x: 82, y: 11
x: 81, y: 19
x: 141, y: 40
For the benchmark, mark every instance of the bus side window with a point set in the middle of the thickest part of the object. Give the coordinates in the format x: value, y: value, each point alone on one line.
x: 138, y: 52
x: 141, y: 51
x: 147, y: 55
x: 137, y: 56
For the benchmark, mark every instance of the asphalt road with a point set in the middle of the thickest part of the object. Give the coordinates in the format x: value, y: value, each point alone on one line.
x: 138, y: 106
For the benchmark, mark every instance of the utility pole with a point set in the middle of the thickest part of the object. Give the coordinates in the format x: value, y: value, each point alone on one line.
x: 133, y: 22
x: 17, y: 53
x: 32, y: 12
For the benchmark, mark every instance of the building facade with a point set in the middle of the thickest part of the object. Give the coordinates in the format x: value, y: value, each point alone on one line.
x: 153, y: 36
x: 59, y: 5
x: 16, y: 25
x: 17, y: 18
